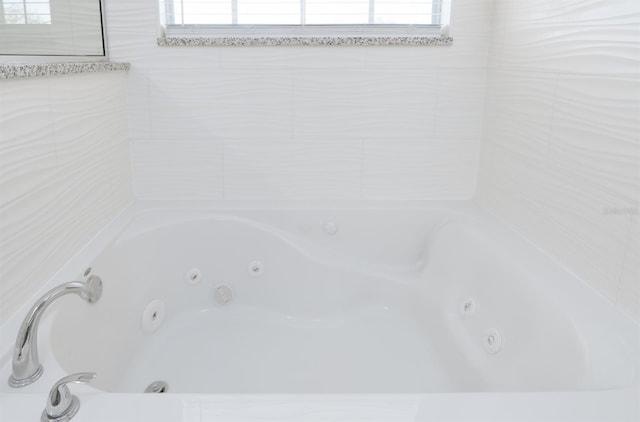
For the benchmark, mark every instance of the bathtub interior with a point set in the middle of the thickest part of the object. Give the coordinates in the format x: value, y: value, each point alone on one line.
x: 375, y: 306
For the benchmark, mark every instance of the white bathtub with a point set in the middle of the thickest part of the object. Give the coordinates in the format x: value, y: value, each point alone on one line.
x: 420, y: 311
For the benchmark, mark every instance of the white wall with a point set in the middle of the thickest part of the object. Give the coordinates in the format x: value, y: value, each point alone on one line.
x: 64, y: 173
x: 303, y: 122
x: 561, y: 151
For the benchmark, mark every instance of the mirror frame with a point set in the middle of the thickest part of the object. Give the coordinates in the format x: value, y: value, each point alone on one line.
x: 54, y: 58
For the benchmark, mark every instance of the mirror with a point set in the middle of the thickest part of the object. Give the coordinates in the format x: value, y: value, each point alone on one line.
x: 51, y: 28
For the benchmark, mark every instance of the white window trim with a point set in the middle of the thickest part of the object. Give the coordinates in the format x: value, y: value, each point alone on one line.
x: 251, y: 35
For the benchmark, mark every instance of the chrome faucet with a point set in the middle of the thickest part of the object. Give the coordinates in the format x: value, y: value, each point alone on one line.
x: 26, y: 367
x: 61, y: 405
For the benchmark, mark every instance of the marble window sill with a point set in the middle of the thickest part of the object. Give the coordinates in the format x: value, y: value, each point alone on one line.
x: 21, y: 71
x: 302, y: 41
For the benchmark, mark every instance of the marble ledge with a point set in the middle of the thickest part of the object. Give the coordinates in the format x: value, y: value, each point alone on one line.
x: 21, y: 71
x: 301, y: 41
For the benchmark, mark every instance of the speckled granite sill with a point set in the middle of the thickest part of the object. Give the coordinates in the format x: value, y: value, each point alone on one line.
x: 297, y: 41
x: 20, y: 71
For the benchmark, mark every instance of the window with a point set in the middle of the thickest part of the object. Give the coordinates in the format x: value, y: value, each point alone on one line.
x: 25, y: 12
x: 305, y: 17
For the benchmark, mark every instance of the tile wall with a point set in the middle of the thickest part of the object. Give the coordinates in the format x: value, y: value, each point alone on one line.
x: 560, y: 157
x: 303, y: 122
x: 64, y: 173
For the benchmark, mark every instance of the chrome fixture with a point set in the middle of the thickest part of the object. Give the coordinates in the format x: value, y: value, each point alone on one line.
x: 157, y: 387
x: 26, y: 367
x: 61, y: 405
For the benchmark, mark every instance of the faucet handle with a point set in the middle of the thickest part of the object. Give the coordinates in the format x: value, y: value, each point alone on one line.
x: 61, y: 405
x: 92, y: 289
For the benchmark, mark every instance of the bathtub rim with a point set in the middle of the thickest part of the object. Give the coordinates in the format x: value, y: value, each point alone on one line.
x: 616, y: 405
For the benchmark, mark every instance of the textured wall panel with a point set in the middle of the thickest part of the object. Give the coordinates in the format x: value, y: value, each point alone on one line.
x: 261, y: 101
x: 561, y: 152
x: 178, y: 170
x: 590, y: 37
x: 558, y: 211
x: 138, y: 113
x: 293, y: 57
x: 64, y: 173
x: 459, y: 104
x: 292, y: 170
x: 244, y: 103
x: 416, y: 170
x: 28, y: 157
x: 388, y: 104
x: 596, y: 131
x: 629, y: 292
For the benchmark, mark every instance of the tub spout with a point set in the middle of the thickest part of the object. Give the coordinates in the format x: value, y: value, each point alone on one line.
x: 26, y: 367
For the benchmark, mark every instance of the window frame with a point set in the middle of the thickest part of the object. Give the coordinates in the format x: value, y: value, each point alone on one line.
x: 303, y: 34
